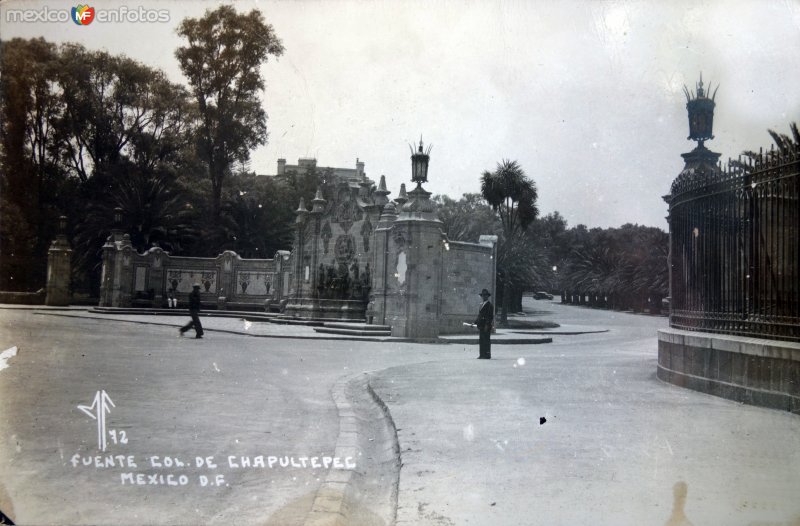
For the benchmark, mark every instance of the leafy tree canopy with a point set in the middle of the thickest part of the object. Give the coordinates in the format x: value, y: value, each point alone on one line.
x: 222, y: 61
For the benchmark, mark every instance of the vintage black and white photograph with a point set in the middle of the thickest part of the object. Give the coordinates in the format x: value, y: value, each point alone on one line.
x: 377, y: 263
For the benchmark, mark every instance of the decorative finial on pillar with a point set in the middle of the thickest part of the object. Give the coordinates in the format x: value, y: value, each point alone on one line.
x: 318, y: 203
x: 381, y: 193
x: 403, y: 197
x: 388, y: 215
x: 301, y: 211
x: 61, y: 237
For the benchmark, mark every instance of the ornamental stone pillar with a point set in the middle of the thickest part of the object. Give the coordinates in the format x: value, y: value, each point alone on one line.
x: 413, y: 311
x: 59, y: 268
x: 122, y: 292
x: 382, y: 255
x: 412, y: 308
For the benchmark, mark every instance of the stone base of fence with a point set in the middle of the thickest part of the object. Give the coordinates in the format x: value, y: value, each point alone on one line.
x: 748, y: 370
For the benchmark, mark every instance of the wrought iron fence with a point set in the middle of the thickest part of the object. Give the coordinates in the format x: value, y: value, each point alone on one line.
x: 735, y: 247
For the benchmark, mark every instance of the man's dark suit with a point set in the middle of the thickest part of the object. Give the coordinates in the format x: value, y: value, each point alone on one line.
x: 484, y: 322
x: 194, y: 312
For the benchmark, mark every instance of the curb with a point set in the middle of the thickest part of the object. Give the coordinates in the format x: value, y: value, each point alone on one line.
x: 243, y: 333
x: 563, y: 333
x: 333, y: 500
x: 395, y: 448
x: 330, y: 506
x: 444, y: 341
x: 7, y: 306
x: 516, y: 341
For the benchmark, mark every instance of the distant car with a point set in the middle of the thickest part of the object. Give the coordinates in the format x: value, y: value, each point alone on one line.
x: 542, y: 296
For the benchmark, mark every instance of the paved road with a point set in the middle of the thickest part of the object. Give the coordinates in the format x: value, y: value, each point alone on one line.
x: 178, y: 397
x: 613, y: 444
x: 615, y: 440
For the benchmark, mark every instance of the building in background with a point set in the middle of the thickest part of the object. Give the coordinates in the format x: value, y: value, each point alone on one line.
x: 356, y: 256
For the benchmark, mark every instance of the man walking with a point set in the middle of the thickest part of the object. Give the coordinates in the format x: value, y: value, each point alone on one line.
x: 485, y: 322
x: 194, y: 312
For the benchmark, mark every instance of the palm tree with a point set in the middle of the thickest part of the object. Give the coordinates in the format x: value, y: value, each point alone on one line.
x: 153, y: 213
x: 785, y: 144
x: 513, y: 197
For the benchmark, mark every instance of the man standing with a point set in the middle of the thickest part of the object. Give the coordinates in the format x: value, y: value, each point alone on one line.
x: 194, y: 312
x: 485, y: 322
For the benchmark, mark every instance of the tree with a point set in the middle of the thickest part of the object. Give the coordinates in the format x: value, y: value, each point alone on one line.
x: 123, y: 134
x: 117, y: 108
x: 513, y: 196
x: 468, y: 218
x: 153, y: 214
x: 785, y: 143
x: 28, y: 107
x: 624, y: 268
x: 222, y: 62
x: 79, y: 131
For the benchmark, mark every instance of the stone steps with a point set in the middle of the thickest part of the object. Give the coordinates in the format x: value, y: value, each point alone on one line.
x: 296, y: 321
x: 357, y: 326
x: 352, y: 332
x: 354, y: 329
x: 327, y: 322
x: 247, y: 315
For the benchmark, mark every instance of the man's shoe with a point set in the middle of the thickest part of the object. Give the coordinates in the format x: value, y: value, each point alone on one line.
x: 199, y: 336
x: 180, y: 333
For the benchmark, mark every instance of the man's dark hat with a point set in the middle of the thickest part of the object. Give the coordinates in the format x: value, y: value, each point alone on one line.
x: 485, y: 292
x: 196, y: 286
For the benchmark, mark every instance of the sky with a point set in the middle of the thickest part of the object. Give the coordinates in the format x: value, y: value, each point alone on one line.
x: 586, y: 96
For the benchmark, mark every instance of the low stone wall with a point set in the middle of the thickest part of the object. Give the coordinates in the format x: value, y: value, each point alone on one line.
x: 748, y: 370
x: 467, y: 268
x: 226, y: 282
x: 23, y: 298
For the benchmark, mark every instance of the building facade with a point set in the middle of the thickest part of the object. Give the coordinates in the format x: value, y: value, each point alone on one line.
x: 356, y: 256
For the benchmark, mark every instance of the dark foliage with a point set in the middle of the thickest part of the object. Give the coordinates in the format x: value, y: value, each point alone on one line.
x: 83, y: 132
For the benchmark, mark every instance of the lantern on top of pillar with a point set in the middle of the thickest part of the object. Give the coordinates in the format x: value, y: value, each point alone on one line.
x: 419, y: 164
x: 419, y: 203
x: 701, y: 113
x: 116, y: 227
